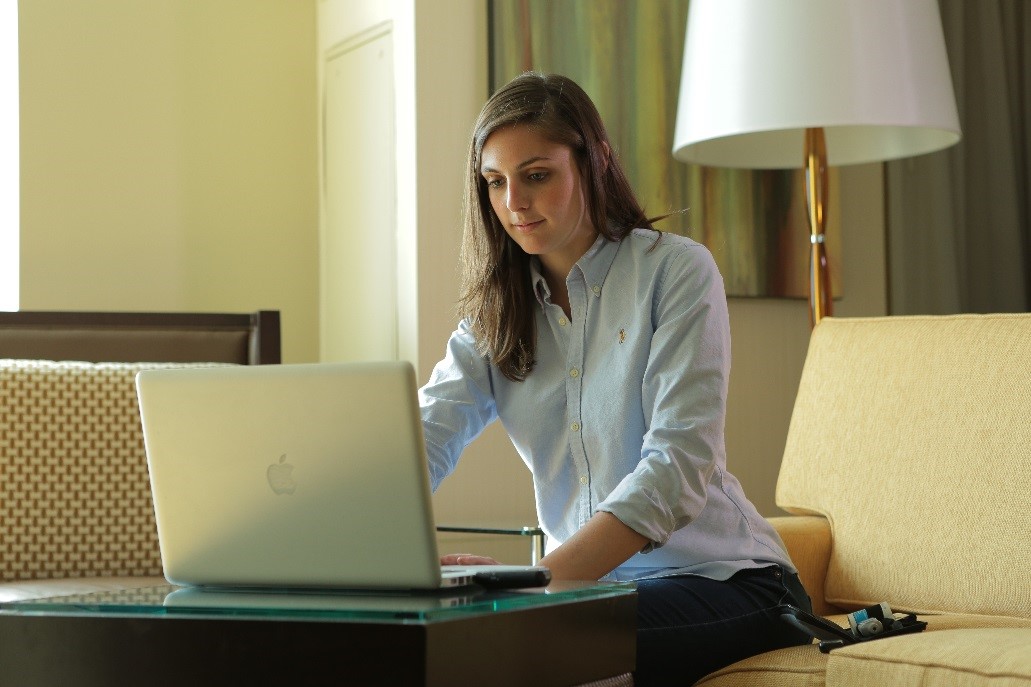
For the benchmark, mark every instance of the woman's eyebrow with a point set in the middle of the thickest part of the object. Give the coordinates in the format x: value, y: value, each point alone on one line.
x: 525, y: 163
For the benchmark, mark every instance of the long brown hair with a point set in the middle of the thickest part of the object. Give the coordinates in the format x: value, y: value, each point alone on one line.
x: 497, y: 297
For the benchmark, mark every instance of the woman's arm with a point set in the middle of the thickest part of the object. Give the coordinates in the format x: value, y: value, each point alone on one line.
x: 684, y: 390
x: 456, y: 404
x: 598, y: 547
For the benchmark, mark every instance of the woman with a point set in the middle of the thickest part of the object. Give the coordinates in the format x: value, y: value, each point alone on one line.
x: 603, y: 347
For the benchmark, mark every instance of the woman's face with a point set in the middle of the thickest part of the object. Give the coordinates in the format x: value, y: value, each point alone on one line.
x: 537, y: 193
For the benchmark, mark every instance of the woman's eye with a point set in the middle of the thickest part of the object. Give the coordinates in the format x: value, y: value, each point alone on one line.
x: 538, y: 176
x: 493, y: 183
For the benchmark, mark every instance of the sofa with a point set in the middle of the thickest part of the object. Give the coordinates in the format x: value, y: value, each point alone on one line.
x: 907, y: 473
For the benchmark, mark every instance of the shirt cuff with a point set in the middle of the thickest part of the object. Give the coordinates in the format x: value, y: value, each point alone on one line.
x: 643, y: 510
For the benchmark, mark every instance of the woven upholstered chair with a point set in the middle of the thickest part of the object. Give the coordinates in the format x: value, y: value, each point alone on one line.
x: 75, y: 504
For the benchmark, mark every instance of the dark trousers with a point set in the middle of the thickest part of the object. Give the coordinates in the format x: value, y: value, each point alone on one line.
x: 689, y: 626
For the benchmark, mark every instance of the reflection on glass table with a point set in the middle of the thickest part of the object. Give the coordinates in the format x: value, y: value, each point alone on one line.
x: 325, y: 605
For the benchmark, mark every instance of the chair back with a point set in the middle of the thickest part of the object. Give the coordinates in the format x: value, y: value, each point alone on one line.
x: 75, y: 495
x: 912, y: 435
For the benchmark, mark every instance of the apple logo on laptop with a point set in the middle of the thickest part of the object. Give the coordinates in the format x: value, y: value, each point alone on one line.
x: 280, y: 476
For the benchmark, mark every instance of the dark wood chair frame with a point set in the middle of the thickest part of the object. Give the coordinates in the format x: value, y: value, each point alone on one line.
x: 27, y: 334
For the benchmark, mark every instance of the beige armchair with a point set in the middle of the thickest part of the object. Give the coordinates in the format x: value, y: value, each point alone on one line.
x: 908, y: 469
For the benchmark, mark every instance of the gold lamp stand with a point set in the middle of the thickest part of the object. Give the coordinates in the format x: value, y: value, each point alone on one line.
x: 820, y: 301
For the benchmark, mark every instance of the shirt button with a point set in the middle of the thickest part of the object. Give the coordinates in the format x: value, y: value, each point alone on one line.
x: 562, y: 321
x: 583, y: 480
x: 596, y: 290
x: 574, y: 372
x: 575, y: 426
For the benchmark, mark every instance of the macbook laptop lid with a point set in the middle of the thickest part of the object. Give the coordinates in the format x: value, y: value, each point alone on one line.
x: 293, y: 476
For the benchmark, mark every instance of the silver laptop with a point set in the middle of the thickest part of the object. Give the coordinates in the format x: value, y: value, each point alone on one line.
x: 292, y: 476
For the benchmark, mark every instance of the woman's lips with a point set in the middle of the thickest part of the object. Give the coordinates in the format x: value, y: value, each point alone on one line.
x: 527, y: 226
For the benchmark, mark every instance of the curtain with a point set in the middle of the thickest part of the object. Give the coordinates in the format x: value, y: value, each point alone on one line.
x: 959, y: 238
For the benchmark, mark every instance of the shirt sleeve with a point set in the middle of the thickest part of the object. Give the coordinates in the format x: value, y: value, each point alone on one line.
x: 684, y: 402
x: 457, y: 403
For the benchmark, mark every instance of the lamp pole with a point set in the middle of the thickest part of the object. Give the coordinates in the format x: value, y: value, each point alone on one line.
x: 820, y: 298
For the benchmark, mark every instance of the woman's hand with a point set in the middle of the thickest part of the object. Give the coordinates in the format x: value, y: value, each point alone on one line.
x: 466, y: 559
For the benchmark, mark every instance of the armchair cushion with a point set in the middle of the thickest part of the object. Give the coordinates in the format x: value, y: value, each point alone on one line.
x: 946, y: 654
x: 797, y: 666
x: 982, y: 656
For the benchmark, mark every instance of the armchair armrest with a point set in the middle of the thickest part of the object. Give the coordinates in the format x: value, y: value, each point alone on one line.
x: 808, y: 541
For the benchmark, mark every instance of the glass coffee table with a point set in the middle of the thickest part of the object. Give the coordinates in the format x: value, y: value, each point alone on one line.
x: 564, y: 634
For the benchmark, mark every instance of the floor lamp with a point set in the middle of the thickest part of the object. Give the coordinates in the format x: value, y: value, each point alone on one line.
x: 775, y: 84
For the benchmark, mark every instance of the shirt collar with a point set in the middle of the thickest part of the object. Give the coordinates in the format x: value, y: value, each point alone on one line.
x: 594, y: 265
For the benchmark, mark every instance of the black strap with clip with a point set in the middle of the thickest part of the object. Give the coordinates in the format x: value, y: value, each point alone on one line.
x: 832, y: 636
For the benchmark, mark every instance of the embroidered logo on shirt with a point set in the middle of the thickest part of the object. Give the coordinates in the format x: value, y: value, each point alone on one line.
x: 622, y: 336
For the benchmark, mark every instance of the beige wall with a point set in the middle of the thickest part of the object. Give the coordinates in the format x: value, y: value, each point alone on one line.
x: 769, y: 339
x: 168, y: 158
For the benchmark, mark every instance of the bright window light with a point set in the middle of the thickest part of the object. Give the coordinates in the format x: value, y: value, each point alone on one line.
x: 10, y: 220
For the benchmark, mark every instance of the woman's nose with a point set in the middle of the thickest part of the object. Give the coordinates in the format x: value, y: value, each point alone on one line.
x: 516, y: 198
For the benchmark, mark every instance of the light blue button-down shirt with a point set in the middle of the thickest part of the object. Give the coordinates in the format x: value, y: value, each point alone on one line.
x: 624, y: 411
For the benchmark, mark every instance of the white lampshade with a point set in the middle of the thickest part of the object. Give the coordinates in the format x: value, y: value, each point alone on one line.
x: 873, y: 74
